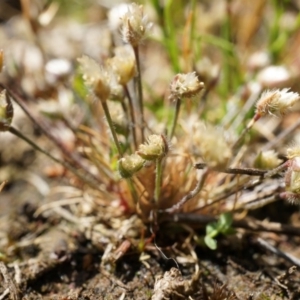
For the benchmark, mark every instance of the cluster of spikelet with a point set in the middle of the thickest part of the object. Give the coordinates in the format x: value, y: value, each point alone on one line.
x: 215, y: 149
x: 146, y: 171
x: 143, y: 152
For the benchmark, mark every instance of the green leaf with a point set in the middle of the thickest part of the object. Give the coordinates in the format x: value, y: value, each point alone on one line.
x: 210, y: 242
x: 212, y: 229
x: 225, y: 222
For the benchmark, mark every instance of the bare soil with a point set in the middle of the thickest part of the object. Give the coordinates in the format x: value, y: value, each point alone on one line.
x: 49, y: 258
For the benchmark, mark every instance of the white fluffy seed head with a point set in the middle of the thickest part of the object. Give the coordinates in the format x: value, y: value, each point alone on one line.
x: 276, y: 102
x: 293, y: 152
x: 156, y: 147
x: 101, y: 81
x: 135, y: 25
x: 123, y: 64
x: 213, y: 146
x: 185, y: 86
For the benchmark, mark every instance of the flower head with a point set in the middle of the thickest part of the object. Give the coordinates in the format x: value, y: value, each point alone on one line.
x: 155, y: 148
x: 292, y: 176
x: 185, y: 86
x: 115, y: 15
x: 267, y: 160
x: 213, y: 146
x: 276, y: 102
x: 95, y: 77
x: 123, y: 64
x: 293, y: 152
x: 135, y: 25
x: 130, y: 165
x: 6, y: 111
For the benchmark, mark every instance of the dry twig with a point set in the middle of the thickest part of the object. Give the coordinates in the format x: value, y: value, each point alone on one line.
x: 294, y: 260
x: 247, y: 223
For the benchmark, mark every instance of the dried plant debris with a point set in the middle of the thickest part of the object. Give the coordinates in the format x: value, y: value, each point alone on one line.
x: 171, y: 286
x: 219, y: 292
x: 10, y: 284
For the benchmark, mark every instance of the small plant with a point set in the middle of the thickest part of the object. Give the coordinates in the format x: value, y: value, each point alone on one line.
x: 158, y: 180
x: 141, y: 153
x: 222, y: 226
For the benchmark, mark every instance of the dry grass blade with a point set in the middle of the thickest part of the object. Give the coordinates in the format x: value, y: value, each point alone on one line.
x: 2, y: 185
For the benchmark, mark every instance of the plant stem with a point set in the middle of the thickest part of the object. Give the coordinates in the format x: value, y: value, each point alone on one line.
x: 111, y: 126
x: 270, y: 248
x: 193, y: 23
x: 177, y: 109
x: 226, y: 54
x: 277, y: 170
x: 191, y: 194
x: 199, y: 220
x: 169, y: 35
x: 140, y: 92
x: 20, y: 135
x: 245, y: 131
x: 132, y: 190
x: 132, y: 116
x: 158, y: 176
x: 222, y: 197
x: 248, y: 171
x: 47, y: 131
x: 124, y: 108
x: 241, y: 171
